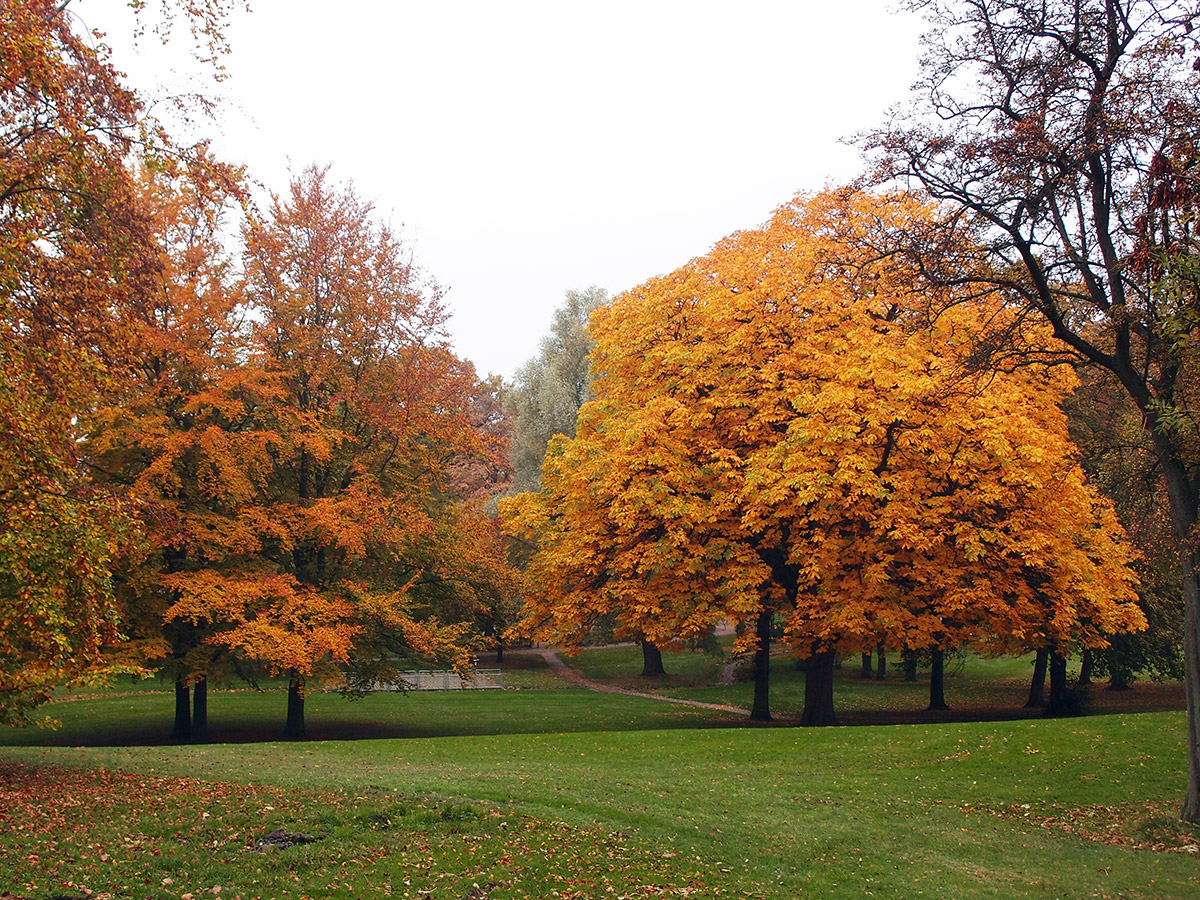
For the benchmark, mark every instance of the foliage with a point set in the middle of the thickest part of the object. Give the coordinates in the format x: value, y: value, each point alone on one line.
x: 75, y: 254
x: 775, y: 427
x: 78, y: 258
x: 1060, y: 139
x: 550, y: 388
x: 1119, y: 459
x: 343, y: 471
x: 864, y: 811
x: 152, y: 438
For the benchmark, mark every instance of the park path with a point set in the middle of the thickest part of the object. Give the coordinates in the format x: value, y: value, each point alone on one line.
x: 560, y: 668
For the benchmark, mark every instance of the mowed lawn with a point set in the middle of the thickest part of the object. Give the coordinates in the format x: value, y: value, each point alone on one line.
x: 599, y: 796
x: 975, y: 686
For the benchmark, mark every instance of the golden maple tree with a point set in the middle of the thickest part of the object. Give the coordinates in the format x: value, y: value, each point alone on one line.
x: 777, y: 431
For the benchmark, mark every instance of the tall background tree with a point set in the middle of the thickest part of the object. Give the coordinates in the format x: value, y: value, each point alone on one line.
x: 1119, y: 458
x: 549, y: 389
x: 1060, y: 138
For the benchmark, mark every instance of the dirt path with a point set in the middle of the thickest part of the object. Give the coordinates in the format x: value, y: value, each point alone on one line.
x: 564, y: 671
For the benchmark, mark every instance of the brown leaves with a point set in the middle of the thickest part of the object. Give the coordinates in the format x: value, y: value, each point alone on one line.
x: 77, y: 254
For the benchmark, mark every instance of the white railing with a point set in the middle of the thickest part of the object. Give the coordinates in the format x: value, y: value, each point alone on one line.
x: 443, y: 680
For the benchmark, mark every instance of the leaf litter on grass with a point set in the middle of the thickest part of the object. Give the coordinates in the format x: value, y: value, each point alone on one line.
x: 107, y: 835
x: 1146, y: 826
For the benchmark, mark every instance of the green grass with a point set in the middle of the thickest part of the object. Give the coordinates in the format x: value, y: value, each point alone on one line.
x: 238, y: 716
x: 546, y: 790
x: 1031, y: 809
x: 525, y: 672
x: 988, y: 685
x: 979, y: 683
x: 621, y: 665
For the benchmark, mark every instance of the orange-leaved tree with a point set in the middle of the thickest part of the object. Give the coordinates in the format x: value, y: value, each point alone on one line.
x: 350, y: 424
x: 776, y: 431
x: 168, y: 435
x: 75, y: 250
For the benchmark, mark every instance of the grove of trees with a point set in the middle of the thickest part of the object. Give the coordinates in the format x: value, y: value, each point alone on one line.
x: 780, y: 430
x: 1059, y: 139
x: 234, y: 434
x: 261, y: 450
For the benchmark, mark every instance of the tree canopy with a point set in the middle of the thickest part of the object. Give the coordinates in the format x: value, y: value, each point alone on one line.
x: 1060, y: 140
x: 778, y: 429
x: 549, y: 389
x: 76, y: 256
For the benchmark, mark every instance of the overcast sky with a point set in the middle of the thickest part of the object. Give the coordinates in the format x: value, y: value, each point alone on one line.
x: 527, y: 148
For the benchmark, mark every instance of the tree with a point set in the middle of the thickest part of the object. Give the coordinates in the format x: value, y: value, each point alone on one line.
x: 1119, y: 458
x: 76, y: 256
x: 1061, y: 138
x: 75, y: 252
x: 341, y: 467
x: 777, y: 431
x: 152, y: 437
x: 550, y: 388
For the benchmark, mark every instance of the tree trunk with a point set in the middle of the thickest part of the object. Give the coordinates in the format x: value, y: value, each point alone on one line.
x: 652, y: 664
x: 866, y: 665
x: 761, y: 710
x: 1085, y: 666
x: 1037, y: 687
x: 499, y: 651
x: 937, y: 680
x: 910, y: 664
x: 183, y: 711
x: 1058, y: 684
x: 200, y: 712
x: 1183, y: 503
x: 818, y: 690
x: 1118, y: 671
x: 1191, y: 662
x: 294, y: 729
x: 881, y: 669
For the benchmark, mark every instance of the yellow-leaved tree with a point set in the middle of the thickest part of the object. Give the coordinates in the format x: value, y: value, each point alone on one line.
x: 779, y: 432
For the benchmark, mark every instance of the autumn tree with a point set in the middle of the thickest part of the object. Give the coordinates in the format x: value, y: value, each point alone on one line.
x: 777, y: 432
x: 544, y: 400
x: 75, y: 252
x: 75, y: 257
x: 341, y: 542
x: 155, y: 436
x: 1060, y: 138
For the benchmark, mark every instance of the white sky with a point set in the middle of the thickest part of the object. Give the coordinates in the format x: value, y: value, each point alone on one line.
x: 532, y: 147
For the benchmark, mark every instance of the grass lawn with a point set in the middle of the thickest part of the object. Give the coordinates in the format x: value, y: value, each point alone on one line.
x: 545, y: 790
x: 240, y: 716
x: 1037, y: 809
x: 991, y: 686
x: 621, y: 665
